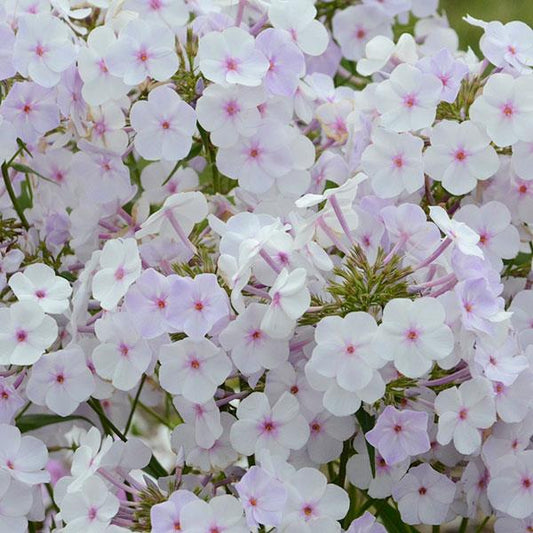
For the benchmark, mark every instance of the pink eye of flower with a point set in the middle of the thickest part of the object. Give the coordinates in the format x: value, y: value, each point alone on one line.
x: 155, y: 4
x: 294, y: 389
x: 268, y: 426
x: 507, y: 110
x: 177, y: 526
x: 315, y: 427
x: 256, y: 334
x: 120, y: 273
x: 253, y: 502
x: 39, y: 50
x: 522, y: 189
x: 10, y: 464
x: 4, y: 395
x: 92, y: 513
x: 397, y: 428
x: 398, y: 161
x: 308, y: 510
x: 198, y: 306
x: 40, y: 293
x: 422, y: 491
x: 232, y: 108
x: 165, y: 124
x: 195, y: 364
x: 27, y: 108
x: 21, y: 336
x: 412, y: 335
x: 60, y: 378
x: 360, y: 33
x: 143, y: 56
x: 102, y: 66
x: 468, y: 307
x: 460, y: 155
x: 161, y: 304
x: 463, y: 414
x: 511, y: 49
x: 124, y: 350
x: 526, y: 483
x: 409, y: 101
x: 254, y: 153
x: 231, y: 64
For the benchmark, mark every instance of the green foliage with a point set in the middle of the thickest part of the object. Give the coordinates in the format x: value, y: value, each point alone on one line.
x: 359, y: 285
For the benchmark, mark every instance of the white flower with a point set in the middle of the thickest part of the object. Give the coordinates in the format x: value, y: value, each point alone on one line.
x: 61, y: 381
x: 460, y: 154
x: 43, y: 49
x: 194, y: 368
x: 463, y: 412
x: 25, y: 333
x: 505, y: 108
x: 164, y: 124
x: 230, y: 57
x: 290, y: 300
x: 120, y: 266
x: 424, y: 496
x: 39, y: 284
x: 280, y: 428
x: 23, y: 457
x: 298, y: 18
x: 90, y: 509
x: 464, y: 237
x: 408, y: 99
x: 413, y: 334
x: 510, y: 488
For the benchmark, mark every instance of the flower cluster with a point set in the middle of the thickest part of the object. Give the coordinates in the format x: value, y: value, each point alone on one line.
x: 265, y: 265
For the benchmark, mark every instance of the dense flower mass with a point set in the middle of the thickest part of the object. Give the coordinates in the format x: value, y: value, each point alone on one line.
x: 265, y: 266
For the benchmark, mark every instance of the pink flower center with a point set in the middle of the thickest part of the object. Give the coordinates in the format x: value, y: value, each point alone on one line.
x: 60, y: 378
x: 511, y: 49
x: 409, y: 101
x: 526, y: 483
x: 232, y: 108
x: 397, y: 428
x: 398, y: 161
x: 161, y: 304
x: 143, y: 56
x: 308, y: 511
x: 294, y: 389
x: 252, y: 501
x: 315, y: 427
x: 268, y: 426
x: 27, y: 108
x: 155, y: 4
x: 39, y: 50
x: 460, y: 155
x: 507, y: 110
x: 120, y: 273
x: 254, y: 153
x: 165, y: 124
x: 124, y: 350
x: 360, y: 33
x: 195, y: 364
x: 102, y: 66
x: 40, y: 293
x: 412, y: 335
x: 256, y: 334
x: 21, y: 335
x: 463, y: 414
x: 422, y: 491
x: 198, y: 306
x: 231, y: 64
x: 92, y: 513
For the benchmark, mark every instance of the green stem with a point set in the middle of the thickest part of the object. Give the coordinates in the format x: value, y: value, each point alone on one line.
x: 464, y: 524
x: 435, y: 529
x: 482, y: 525
x: 154, y: 466
x: 134, y: 405
x: 211, y: 156
x: 13, y: 197
x: 24, y: 409
x: 341, y: 476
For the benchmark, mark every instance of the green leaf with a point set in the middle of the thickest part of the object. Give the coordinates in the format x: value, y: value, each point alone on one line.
x: 31, y: 422
x: 28, y: 170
